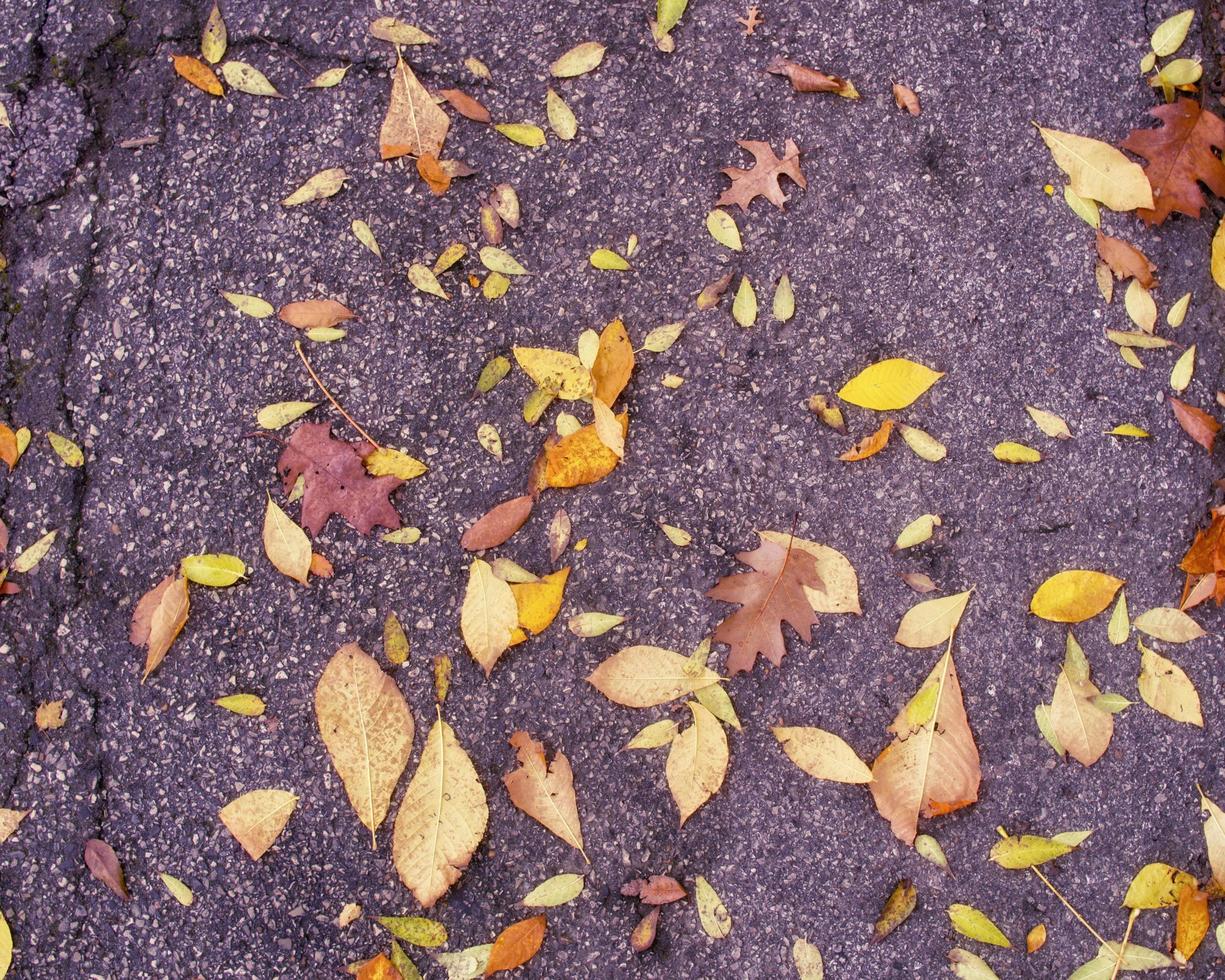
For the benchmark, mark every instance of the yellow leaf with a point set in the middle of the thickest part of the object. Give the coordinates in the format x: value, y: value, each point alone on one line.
x: 1184, y: 368
x: 197, y: 73
x: 489, y: 439
x: 744, y: 307
x: 1074, y: 595
x: 661, y: 338
x: 1131, y: 358
x: 1134, y: 338
x: 557, y: 372
x: 644, y: 676
x: 697, y: 762
x: 497, y: 260
x: 672, y: 381
x: 1169, y: 624
x: 216, y: 571
x: 1015, y: 452
x: 495, y: 286
x: 29, y: 558
x: 1178, y: 312
x: 679, y: 537
x: 929, y: 849
x: 179, y: 891
x: 1050, y: 423
x: 723, y: 229
x: 397, y: 32
x: 1098, y: 171
x: 538, y: 603
x: 489, y: 615
x: 591, y: 624
x: 1027, y: 851
x: 250, y: 305
x: 604, y: 258
x: 386, y: 461
x: 523, y: 133
x: 368, y: 729
x: 247, y: 705
x: 654, y: 735
x: 423, y: 279
x: 405, y: 535
x: 1214, y: 837
x: 1127, y: 430
x: 974, y: 924
x: 869, y: 445
x: 1140, y: 306
x: 1120, y: 624
x: 932, y: 621
x: 1035, y: 939
x: 329, y: 78
x: 823, y: 755
x: 922, y: 444
x: 9, y: 822
x: 970, y: 966
x: 441, y: 820
x: 450, y: 255
x: 712, y: 913
x: 807, y: 959
x: 6, y: 947
x: 286, y: 544
x: 247, y: 78
x: 608, y: 428
x: 578, y: 459
x: 66, y: 450
x: 783, y: 307
x: 889, y: 384
x: 257, y: 818
x: 1156, y: 886
x: 323, y: 184
x: 1171, y: 32
x: 280, y: 414
x: 1218, y: 255
x: 554, y: 891
x: 561, y: 117
x: 325, y: 335
x: 1167, y: 689
x: 1083, y: 208
x: 917, y: 531
x: 213, y: 41
x: 613, y: 364
x: 579, y: 60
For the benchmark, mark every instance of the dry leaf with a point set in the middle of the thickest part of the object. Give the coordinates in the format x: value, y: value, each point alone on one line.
x: 1196, y: 423
x: 1180, y: 155
x: 257, y: 818
x: 1098, y: 171
x: 498, y: 524
x: 1126, y: 261
x: 1082, y: 728
x: 104, y: 865
x: 890, y: 384
x: 1166, y: 688
x: 614, y: 363
x: 368, y: 729
x: 897, y: 908
x: 643, y: 936
x: 286, y: 544
x: 931, y: 622
x: 516, y: 944
x: 158, y: 618
x: 441, y: 820
x: 308, y: 313
x: 545, y: 792
x: 414, y: 125
x: 906, y: 99
x: 50, y: 715
x: 578, y: 459
x: 823, y: 754
x: 763, y: 179
x: 323, y: 184
x: 644, y: 676
x: 465, y: 105
x: 489, y: 615
x: 198, y: 74
x: 9, y: 821
x: 806, y: 80
x: 1171, y: 625
x: 697, y: 761
x: 869, y: 445
x: 808, y: 962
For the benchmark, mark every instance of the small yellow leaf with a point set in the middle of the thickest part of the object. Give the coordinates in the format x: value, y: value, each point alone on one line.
x: 1083, y: 208
x: 1171, y: 32
x: 405, y: 535
x: 1171, y: 625
x: 1166, y: 688
x: 495, y: 286
x: 496, y: 260
x: 744, y: 307
x: 478, y: 68
x: 1119, y: 627
x: 928, y: 848
x: 1184, y: 368
x: 654, y: 735
x: 917, y: 531
x: 922, y: 444
x: 1074, y: 595
x: 608, y: 428
x: 561, y: 117
x: 523, y: 133
x: 672, y: 381
x: 565, y: 423
x: 603, y: 258
x: 1035, y: 939
x: 180, y: 892
x: 1217, y: 262
x: 554, y: 891
x: 329, y: 78
x: 1028, y: 850
x: 1135, y: 338
x: 424, y: 279
x: 538, y: 603
x: 1015, y: 452
x: 66, y: 450
x: 807, y: 960
x: 536, y: 404
x: 361, y: 231
x: 323, y: 184
x: 661, y: 338
x: 282, y: 413
x: 247, y: 78
x: 932, y: 622
x: 579, y: 60
x: 784, y: 299
x: 1128, y: 430
x: 1157, y: 886
x: 31, y: 556
x: 286, y: 544
x: 212, y: 44
x: 974, y: 924
x: 489, y: 439
x: 823, y: 755
x: 1178, y: 312
x: 450, y: 255
x: 890, y: 384
x: 591, y: 624
x: 679, y: 537
x: 489, y: 615
x: 723, y: 229
x: 325, y: 335
x: 214, y: 570
x: 248, y: 705
x: 257, y: 818
x: 1050, y: 423
x: 1140, y: 306
x: 558, y: 373
x: 397, y: 32
x: 1131, y: 358
x: 712, y: 913
x: 250, y: 305
x: 386, y: 461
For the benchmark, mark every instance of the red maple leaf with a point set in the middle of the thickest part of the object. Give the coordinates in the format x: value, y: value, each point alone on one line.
x: 335, y: 481
x: 1180, y: 155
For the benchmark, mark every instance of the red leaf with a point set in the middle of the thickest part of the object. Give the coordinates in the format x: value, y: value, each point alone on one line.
x: 655, y: 890
x: 1180, y: 156
x: 1196, y: 423
x: 104, y: 865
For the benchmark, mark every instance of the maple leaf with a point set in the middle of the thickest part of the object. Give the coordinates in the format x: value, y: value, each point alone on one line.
x: 768, y: 596
x: 1180, y: 154
x: 763, y: 179
x: 336, y: 482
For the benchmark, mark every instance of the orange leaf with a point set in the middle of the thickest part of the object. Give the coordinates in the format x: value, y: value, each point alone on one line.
x: 379, y: 968
x: 159, y: 617
x: 310, y: 313
x: 8, y: 446
x: 1126, y: 260
x: 516, y: 944
x: 1192, y: 923
x: 1180, y: 155
x: 545, y: 792
x: 320, y: 566
x: 869, y: 445
x: 465, y: 104
x: 498, y: 524
x: 614, y: 363
x: 432, y: 172
x: 1196, y: 423
x: 577, y: 459
x: 198, y: 73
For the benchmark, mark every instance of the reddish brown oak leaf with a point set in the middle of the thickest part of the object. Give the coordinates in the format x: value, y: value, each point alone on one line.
x: 335, y: 481
x: 762, y: 179
x: 1180, y: 157
x: 768, y: 596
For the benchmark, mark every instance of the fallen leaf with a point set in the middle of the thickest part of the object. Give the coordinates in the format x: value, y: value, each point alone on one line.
x: 397, y: 32
x: 367, y: 727
x: 1184, y: 368
x: 545, y: 791
x: 643, y: 936
x: 1171, y: 32
x: 723, y: 229
x: 104, y: 865
x: 1214, y: 836
x: 323, y: 184
x: 523, y: 133
x: 561, y: 119
x: 763, y: 179
x: 50, y: 715
x: 538, y: 604
x: 1180, y: 155
x: 805, y: 80
x: 1082, y: 728
x: 614, y: 363
x: 1050, y: 423
x: 465, y: 105
x: 309, y: 313
x: 1074, y: 595
x: 932, y: 766
x: 1166, y: 688
x: 969, y: 966
x: 1178, y: 310
x: 577, y: 459
x: 1196, y: 423
x: 423, y: 279
x: 1126, y: 261
x: 1028, y: 851
x: 822, y: 754
x: 1192, y: 923
x: 890, y: 384
x: 697, y: 762
x: 441, y: 820
x: 249, y: 79
x: 198, y: 74
x: 655, y: 735
x: 655, y: 890
x: 329, y: 78
x: 158, y: 618
x: 906, y: 99
x: 178, y: 890
x: 489, y: 615
x: 1035, y: 939
x: 214, y: 571
x: 257, y: 818
x: 28, y: 559
x: 783, y: 306
x: 516, y: 944
x: 9, y: 822
x: 498, y: 524
x: 928, y: 848
x: 213, y: 37
x: 712, y: 913
x: 467, y: 964
x: 917, y: 531
x: 554, y: 891
x: 827, y: 412
x: 414, y: 125
x: 252, y: 306
x: 280, y: 414
x: 922, y: 444
x: 712, y: 292
x: 1171, y: 625
x: 807, y: 960
x: 931, y: 622
x: 1015, y: 452
x: 248, y: 705
x: 1140, y: 306
x: 67, y: 450
x: 1098, y: 171
x: 919, y: 581
x: 415, y: 930
x: 286, y: 544
x: 974, y: 924
x: 1156, y: 886
x: 897, y: 908
x: 645, y: 676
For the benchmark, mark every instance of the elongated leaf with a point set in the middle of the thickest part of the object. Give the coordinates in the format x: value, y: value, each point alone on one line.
x: 697, y: 762
x: 974, y: 924
x: 931, y: 622
x: 644, y: 676
x: 823, y: 754
x: 889, y: 384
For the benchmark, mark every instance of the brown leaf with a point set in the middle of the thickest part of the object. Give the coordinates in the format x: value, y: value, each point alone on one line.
x: 307, y: 314
x: 906, y: 99
x: 335, y: 481
x: 50, y: 715
x: 655, y: 890
x: 432, y: 172
x: 712, y: 292
x: 498, y: 524
x: 465, y: 105
x: 804, y: 79
x: 559, y: 534
x: 158, y: 618
x: 414, y: 124
x: 869, y: 445
x: 1180, y: 155
x: 768, y: 596
x: 763, y: 179
x: 919, y: 581
x: 516, y: 944
x: 643, y: 936
x: 614, y: 363
x: 104, y: 865
x: 545, y: 792
x: 898, y: 906
x: 1196, y: 423
x: 1126, y: 260
x: 320, y: 566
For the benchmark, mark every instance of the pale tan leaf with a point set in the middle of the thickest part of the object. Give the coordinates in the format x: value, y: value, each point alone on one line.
x: 257, y: 818
x: 1166, y: 688
x: 932, y: 621
x: 286, y: 544
x: 644, y: 676
x: 545, y: 791
x: 697, y: 761
x: 414, y: 124
x: 823, y: 754
x: 489, y: 615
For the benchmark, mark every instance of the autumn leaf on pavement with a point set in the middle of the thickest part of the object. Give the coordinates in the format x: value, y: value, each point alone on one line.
x: 1126, y: 261
x: 772, y: 593
x: 1196, y: 423
x: 414, y: 125
x: 804, y: 79
x: 697, y: 762
x: 257, y: 818
x: 1083, y: 728
x: 158, y: 618
x: 103, y: 864
x: 1180, y: 155
x: 544, y: 791
x: 763, y: 179
x: 336, y: 481
x: 655, y: 890
x: 516, y: 944
x: 931, y: 767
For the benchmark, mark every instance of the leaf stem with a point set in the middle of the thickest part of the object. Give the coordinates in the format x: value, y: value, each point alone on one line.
x: 1118, y: 960
x: 1059, y: 895
x: 322, y: 387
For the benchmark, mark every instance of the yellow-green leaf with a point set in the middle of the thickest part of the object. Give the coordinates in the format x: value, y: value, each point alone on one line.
x: 1083, y: 207
x: 723, y: 229
x: 362, y: 232
x: 398, y: 32
x: 31, y: 556
x: 974, y: 924
x: 1184, y: 368
x: 561, y: 117
x: 66, y: 450
x: 579, y: 60
x: 179, y: 891
x: 970, y: 966
x: 424, y: 279
x: 716, y: 922
x: 1074, y: 595
x: 1028, y: 850
x: 1157, y: 886
x: 1135, y: 338
x: 591, y: 624
x: 329, y: 78
x: 1099, y: 171
x: 323, y: 184
x: 386, y: 461
x: 917, y: 531
x: 250, y: 305
x: 1129, y: 431
x: 661, y: 338
x: 450, y: 255
x: 1171, y: 32
x: 1169, y: 624
x: 1120, y: 625
x: 1178, y: 312
x: 496, y: 260
x: 928, y: 848
x: 523, y: 133
x: 605, y: 258
x: 558, y: 373
x: 247, y: 705
x: 1050, y: 423
x: 922, y: 444
x: 889, y: 384
x: 247, y: 78
x: 654, y: 735
x: 282, y: 413
x: 744, y: 307
x: 325, y: 335
x: 931, y: 622
x: 214, y: 570
x: 404, y: 535
x: 414, y: 929
x: 286, y: 544
x: 1140, y: 306
x: 495, y: 369
x: 1015, y: 452
x: 213, y: 39
x: 554, y: 891
x: 668, y: 14
x: 678, y: 536
x: 489, y: 439
x: 784, y: 299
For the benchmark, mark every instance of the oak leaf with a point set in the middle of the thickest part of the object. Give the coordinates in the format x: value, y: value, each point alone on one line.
x: 545, y: 791
x: 335, y: 481
x: 1180, y: 155
x: 931, y: 767
x: 771, y: 594
x: 158, y: 618
x: 763, y: 179
x: 413, y: 124
x: 441, y: 820
x: 368, y: 729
